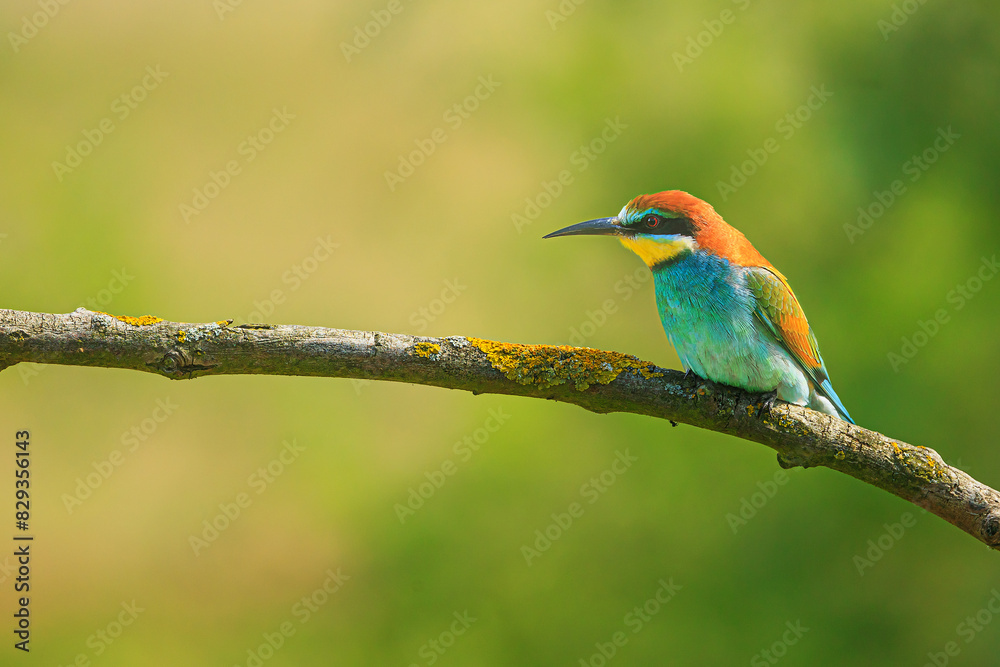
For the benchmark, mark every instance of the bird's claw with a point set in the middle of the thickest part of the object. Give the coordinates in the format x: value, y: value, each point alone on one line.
x: 768, y: 404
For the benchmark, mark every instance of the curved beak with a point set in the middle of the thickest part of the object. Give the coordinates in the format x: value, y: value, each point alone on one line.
x: 601, y: 226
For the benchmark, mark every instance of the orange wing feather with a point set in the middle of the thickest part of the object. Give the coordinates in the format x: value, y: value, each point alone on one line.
x: 780, y: 311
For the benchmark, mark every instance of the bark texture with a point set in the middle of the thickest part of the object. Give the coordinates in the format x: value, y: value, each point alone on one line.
x: 596, y: 380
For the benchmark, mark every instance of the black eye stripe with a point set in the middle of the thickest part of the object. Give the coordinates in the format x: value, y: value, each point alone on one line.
x: 664, y: 226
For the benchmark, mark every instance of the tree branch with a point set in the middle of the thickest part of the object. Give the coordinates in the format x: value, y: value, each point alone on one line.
x: 596, y: 380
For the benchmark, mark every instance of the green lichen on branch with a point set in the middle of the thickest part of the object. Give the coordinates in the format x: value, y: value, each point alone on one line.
x: 550, y: 365
x: 919, y: 463
x: 201, y: 332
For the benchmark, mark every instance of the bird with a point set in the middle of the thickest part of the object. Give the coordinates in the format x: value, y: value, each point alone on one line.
x: 730, y: 315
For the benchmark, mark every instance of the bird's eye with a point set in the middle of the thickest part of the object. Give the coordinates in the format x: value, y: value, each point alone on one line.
x: 651, y: 221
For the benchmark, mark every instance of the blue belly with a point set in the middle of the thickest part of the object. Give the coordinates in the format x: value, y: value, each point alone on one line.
x: 707, y: 313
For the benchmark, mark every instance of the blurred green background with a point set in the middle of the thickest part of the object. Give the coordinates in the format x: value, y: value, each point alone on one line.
x: 112, y: 230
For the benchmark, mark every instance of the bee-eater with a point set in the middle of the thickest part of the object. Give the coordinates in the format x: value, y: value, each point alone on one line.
x: 731, y: 316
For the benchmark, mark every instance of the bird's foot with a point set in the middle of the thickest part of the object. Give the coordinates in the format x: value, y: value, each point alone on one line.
x: 768, y: 404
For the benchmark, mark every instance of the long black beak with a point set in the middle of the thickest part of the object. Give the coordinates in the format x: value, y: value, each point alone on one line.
x: 601, y: 226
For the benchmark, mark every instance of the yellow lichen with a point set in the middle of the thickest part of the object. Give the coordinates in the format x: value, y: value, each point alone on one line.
x: 840, y: 456
x: 426, y: 350
x: 647, y: 370
x: 783, y: 420
x: 181, y: 335
x: 549, y: 365
x: 223, y: 323
x: 141, y: 321
x: 918, y: 463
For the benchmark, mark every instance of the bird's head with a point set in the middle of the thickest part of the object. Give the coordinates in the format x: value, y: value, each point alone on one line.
x: 662, y: 227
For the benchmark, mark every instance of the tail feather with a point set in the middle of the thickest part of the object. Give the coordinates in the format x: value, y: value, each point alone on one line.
x: 826, y: 389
